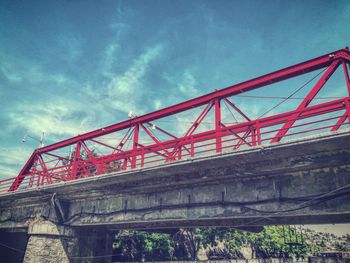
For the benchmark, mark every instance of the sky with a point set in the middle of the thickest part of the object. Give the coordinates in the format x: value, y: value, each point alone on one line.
x: 68, y: 67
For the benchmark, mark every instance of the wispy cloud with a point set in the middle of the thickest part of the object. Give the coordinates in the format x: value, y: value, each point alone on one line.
x: 125, y: 91
x: 59, y: 118
x: 109, y: 57
x: 188, y: 85
x: 70, y: 44
x: 157, y: 104
x: 23, y: 71
x: 10, y: 74
x: 12, y: 160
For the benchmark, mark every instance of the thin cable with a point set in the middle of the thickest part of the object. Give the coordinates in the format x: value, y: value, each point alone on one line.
x: 89, y: 143
x: 15, y: 249
x: 316, y: 198
x: 128, y: 143
x: 301, y: 206
x: 290, y: 210
x: 241, y: 204
x: 230, y: 111
x: 100, y: 256
x: 296, y: 91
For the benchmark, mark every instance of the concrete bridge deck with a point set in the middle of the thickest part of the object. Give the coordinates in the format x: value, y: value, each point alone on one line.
x: 304, y: 181
x: 256, y: 183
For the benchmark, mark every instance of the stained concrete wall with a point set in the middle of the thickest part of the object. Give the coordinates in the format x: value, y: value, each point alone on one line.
x: 301, y: 182
x: 50, y: 243
x: 286, y: 183
x: 47, y: 249
x: 225, y: 202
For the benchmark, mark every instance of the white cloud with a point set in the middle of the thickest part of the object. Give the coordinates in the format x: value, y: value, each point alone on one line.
x: 109, y: 58
x: 29, y: 73
x: 64, y: 117
x: 188, y: 85
x: 157, y: 104
x: 60, y: 115
x: 12, y: 160
x: 59, y: 118
x: 125, y: 91
x: 10, y: 74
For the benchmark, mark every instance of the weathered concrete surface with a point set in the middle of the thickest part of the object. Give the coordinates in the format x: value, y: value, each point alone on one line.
x: 50, y: 243
x: 304, y: 181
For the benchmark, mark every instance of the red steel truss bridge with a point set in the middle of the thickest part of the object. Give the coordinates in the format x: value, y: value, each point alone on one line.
x: 215, y: 125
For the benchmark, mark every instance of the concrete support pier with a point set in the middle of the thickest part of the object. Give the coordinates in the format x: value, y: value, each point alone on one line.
x: 51, y: 243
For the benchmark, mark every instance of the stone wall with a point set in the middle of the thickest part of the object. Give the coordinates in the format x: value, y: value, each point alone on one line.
x: 48, y: 249
x: 49, y: 243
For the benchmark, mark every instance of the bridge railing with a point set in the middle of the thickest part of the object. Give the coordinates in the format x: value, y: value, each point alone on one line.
x: 233, y: 138
x: 48, y: 166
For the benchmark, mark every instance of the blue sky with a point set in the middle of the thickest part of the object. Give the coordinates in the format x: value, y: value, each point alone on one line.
x: 72, y: 66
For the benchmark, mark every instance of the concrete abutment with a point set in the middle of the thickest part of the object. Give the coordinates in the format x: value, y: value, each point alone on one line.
x: 48, y: 242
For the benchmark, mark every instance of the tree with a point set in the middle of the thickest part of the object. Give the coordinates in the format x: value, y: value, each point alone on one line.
x: 142, y: 246
x: 219, y: 243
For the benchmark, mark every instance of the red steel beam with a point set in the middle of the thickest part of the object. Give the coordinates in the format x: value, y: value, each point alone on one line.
x: 283, y: 74
x: 346, y: 75
x: 281, y: 118
x: 337, y: 57
x: 218, y: 125
x: 316, y: 110
x: 307, y: 100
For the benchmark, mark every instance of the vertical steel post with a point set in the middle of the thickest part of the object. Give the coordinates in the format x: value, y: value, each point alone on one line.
x: 347, y: 108
x: 346, y: 74
x: 254, y: 136
x: 31, y: 180
x: 142, y: 156
x: 218, y: 126
x: 179, y: 154
x: 258, y: 132
x: 45, y: 174
x: 76, y: 161
x: 125, y: 164
x: 192, y: 148
x: 135, y: 146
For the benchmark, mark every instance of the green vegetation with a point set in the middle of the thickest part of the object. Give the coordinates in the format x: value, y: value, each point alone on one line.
x: 141, y: 246
x: 219, y: 243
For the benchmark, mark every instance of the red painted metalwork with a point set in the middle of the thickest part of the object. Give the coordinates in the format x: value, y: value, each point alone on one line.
x: 223, y: 137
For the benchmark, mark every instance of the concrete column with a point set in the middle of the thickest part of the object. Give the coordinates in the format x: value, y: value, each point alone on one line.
x: 52, y: 243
